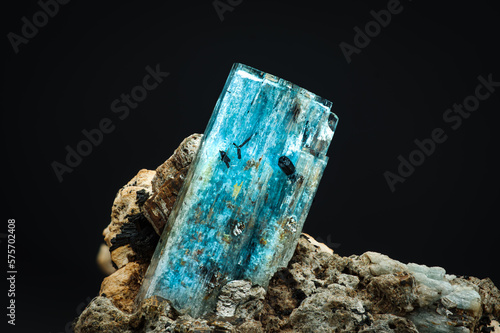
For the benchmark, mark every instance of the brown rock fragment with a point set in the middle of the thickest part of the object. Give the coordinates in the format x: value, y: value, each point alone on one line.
x: 123, y: 285
x: 389, y: 323
x: 490, y: 295
x: 250, y: 326
x: 127, y: 204
x: 122, y: 255
x: 392, y: 293
x: 102, y: 316
x: 104, y: 260
x: 189, y: 325
x: 320, y: 246
x: 168, y: 181
x: 155, y: 313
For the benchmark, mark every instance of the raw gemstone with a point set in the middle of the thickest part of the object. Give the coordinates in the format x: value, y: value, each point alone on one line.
x: 241, y: 209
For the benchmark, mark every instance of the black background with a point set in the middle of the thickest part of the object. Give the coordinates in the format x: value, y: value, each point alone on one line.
x: 395, y: 91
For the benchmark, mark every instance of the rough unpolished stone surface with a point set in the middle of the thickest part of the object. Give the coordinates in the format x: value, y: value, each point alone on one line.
x: 130, y: 238
x: 102, y: 316
x: 167, y: 182
x: 319, y: 291
x: 238, y: 298
x: 389, y: 323
x: 392, y: 293
x: 123, y: 285
x: 326, y: 311
x: 490, y: 295
x: 104, y: 260
x: 128, y: 233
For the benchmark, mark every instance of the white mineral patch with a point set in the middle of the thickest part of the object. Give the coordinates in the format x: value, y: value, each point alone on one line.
x: 382, y: 264
x: 465, y: 299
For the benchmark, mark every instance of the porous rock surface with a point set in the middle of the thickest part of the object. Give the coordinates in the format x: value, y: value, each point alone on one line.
x: 319, y: 291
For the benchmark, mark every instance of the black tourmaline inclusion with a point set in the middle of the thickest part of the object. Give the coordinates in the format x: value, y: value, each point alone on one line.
x: 224, y: 157
x: 286, y: 165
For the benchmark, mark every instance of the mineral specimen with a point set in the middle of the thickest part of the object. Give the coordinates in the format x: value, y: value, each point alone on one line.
x: 320, y: 291
x: 130, y: 238
x: 128, y: 231
x: 247, y: 193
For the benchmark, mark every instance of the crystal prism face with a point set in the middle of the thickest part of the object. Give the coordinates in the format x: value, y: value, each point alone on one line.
x: 246, y: 196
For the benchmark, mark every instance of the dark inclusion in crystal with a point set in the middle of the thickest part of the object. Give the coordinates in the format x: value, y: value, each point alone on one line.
x: 224, y: 158
x: 288, y: 168
x: 296, y: 110
x: 286, y: 165
x: 332, y: 121
x: 238, y: 148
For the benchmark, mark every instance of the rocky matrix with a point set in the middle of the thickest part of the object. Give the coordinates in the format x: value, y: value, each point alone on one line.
x: 319, y: 291
x: 247, y: 193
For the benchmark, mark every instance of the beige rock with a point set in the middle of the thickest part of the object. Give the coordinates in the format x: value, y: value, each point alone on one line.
x: 321, y: 246
x: 392, y: 293
x: 187, y: 324
x: 251, y: 326
x: 490, y: 295
x: 102, y: 316
x: 123, y: 285
x: 129, y: 267
x: 389, y: 323
x: 104, y: 260
x: 122, y: 255
x: 181, y: 158
x: 496, y: 326
x: 238, y: 298
x: 330, y: 312
x: 128, y: 202
x: 347, y: 280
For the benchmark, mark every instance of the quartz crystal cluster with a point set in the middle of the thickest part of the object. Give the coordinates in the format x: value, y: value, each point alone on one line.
x: 247, y: 193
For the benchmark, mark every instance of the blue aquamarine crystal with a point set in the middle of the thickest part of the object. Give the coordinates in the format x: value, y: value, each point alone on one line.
x: 246, y: 196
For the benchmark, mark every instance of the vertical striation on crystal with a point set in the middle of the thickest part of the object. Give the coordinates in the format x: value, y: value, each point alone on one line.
x: 246, y: 196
